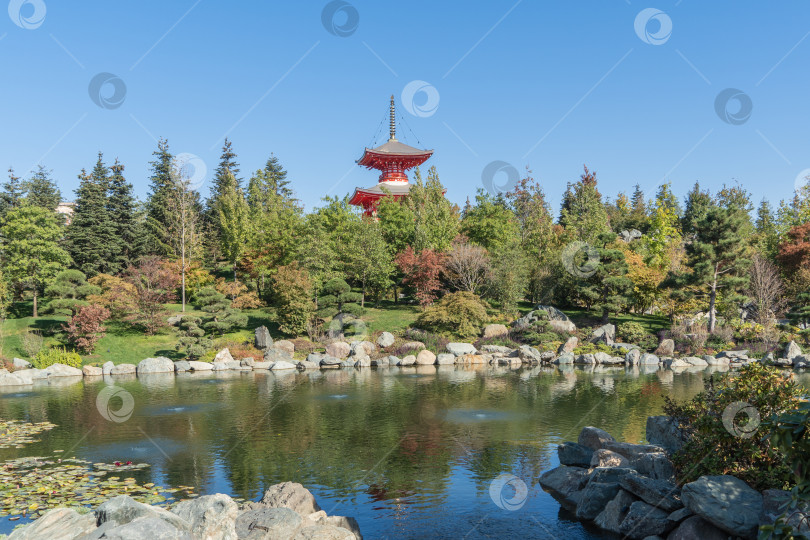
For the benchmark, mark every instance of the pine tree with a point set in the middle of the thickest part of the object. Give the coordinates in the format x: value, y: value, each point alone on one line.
x: 697, y: 203
x: 638, y: 218
x: 582, y: 214
x: 122, y: 210
x: 91, y: 238
x: 32, y: 249
x: 233, y: 221
x: 278, y: 177
x: 158, y: 210
x: 221, y: 317
x: 41, y: 190
x: 13, y: 193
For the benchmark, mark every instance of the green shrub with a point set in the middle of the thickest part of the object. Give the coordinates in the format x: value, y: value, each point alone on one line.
x: 631, y: 332
x: 49, y: 357
x: 723, y: 427
x: 591, y: 348
x: 461, y: 313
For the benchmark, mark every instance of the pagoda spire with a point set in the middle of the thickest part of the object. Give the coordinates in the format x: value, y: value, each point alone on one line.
x: 392, y: 128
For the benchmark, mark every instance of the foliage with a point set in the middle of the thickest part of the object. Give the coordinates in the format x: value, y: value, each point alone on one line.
x: 238, y: 293
x: 461, y: 313
x: 41, y: 191
x: 592, y: 348
x: 86, y: 327
x: 193, y: 340
x: 33, y: 255
x: 233, y: 220
x: 154, y: 286
x: 509, y: 277
x: 631, y: 332
x: 722, y: 440
x: 435, y: 218
x: 221, y: 316
x: 123, y: 210
x: 116, y: 294
x: 68, y: 292
x: 490, y: 223
x: 467, y: 267
x: 369, y: 262
x: 608, y: 289
x: 56, y: 355
x: 338, y: 298
x: 422, y: 272
x: 292, y: 291
x: 582, y: 214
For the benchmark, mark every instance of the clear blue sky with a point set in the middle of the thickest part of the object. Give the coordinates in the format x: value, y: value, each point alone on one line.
x: 551, y: 85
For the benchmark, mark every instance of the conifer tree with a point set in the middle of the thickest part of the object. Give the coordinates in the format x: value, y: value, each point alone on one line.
x: 158, y: 208
x: 122, y: 210
x: 582, y: 214
x: 233, y: 221
x: 638, y: 211
x: 91, y: 238
x: 41, y: 190
x: 13, y: 193
x: 278, y: 177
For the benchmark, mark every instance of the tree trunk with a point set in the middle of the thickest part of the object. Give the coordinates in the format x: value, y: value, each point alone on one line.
x: 183, y: 288
x: 36, y: 313
x: 712, y: 301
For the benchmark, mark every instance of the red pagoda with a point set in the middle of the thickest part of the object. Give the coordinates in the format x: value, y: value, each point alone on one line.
x: 393, y: 159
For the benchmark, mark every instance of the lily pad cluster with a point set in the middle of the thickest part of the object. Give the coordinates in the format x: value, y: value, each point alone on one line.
x: 16, y: 434
x: 32, y: 485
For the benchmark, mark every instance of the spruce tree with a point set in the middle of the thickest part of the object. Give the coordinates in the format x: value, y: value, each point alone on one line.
x: 13, y: 193
x: 233, y: 221
x: 277, y: 177
x: 227, y: 167
x: 91, y: 238
x: 697, y: 203
x: 41, y: 190
x: 158, y: 210
x: 122, y: 210
x: 582, y: 214
x: 638, y: 218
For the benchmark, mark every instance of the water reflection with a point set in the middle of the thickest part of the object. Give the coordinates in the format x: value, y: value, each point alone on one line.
x: 408, y: 451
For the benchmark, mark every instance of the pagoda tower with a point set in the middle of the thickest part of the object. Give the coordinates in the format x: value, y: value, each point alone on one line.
x: 392, y: 158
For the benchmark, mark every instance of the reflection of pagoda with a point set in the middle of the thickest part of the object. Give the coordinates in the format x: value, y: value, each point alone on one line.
x: 393, y: 159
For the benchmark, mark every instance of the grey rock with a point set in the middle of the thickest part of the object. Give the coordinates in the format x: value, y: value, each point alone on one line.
x: 285, y: 345
x: 552, y: 313
x: 726, y: 502
x: 714, y: 361
x: 664, y: 432
x: 262, y: 338
x: 323, y: 532
x: 362, y: 361
x: 211, y: 517
x: 338, y: 349
x: 275, y: 354
x: 630, y: 450
x: 196, y: 365
x: 425, y: 358
x: 92, y: 371
x: 792, y: 350
x: 594, y: 438
x: 61, y: 370
x: 248, y: 361
x: 174, y: 320
x: 315, y: 357
x: 57, y: 524
x: 305, y: 365
x: 587, y: 359
x: 496, y: 349
x: 659, y: 493
x: 564, y: 358
x: 267, y: 523
x: 290, y: 495
x: 123, y: 509
x: 569, y: 345
x: 330, y: 361
x: 679, y: 515
x: 282, y: 365
x: 530, y: 355
x: 675, y: 363
x: 382, y: 361
x: 19, y: 363
x: 161, y: 364
x: 615, y: 511
x: 665, y: 348
x: 13, y: 379
x: 123, y: 369
x: 565, y: 482
x: 628, y: 235
x: 696, y: 527
x: 223, y: 356
x: 460, y: 349
x: 655, y: 465
x: 609, y: 475
x: 182, y: 365
x: 732, y: 355
x: 602, y: 357
x: 571, y: 453
x: 261, y: 366
x: 445, y: 359
x: 643, y: 520
x: 632, y: 357
x: 648, y: 359
x: 604, y: 334
x: 348, y: 523
x: 386, y: 339
x: 695, y: 361
x: 413, y: 346
x: 563, y: 326
x: 145, y: 528
x: 407, y: 361
x: 359, y: 348
x: 595, y: 497
x: 106, y: 368
x: 606, y: 458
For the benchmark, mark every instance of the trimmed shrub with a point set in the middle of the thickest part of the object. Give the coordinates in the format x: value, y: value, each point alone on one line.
x: 57, y: 355
x: 631, y: 332
x: 462, y: 313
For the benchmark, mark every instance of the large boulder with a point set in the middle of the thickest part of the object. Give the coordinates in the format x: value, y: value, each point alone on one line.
x: 530, y: 355
x: 211, y: 517
x: 569, y: 345
x: 425, y: 358
x: 123, y: 509
x: 630, y: 450
x: 663, y: 431
x: 272, y: 522
x: 324, y: 532
x: 633, y: 357
x: 606, y: 458
x: 362, y: 348
x: 648, y: 359
x: 792, y: 350
x: 445, y: 359
x: 146, y: 527
x: 644, y: 520
x: 92, y: 371
x: 714, y: 361
x: 338, y: 349
x: 290, y: 495
x: 282, y: 365
x: 726, y: 502
x: 330, y: 361
x: 695, y: 361
x: 695, y: 527
x: 361, y: 360
x: 595, y: 497
x: 60, y: 370
x: 223, y: 356
x: 407, y: 360
x: 385, y: 340
x: 604, y: 334
x: 262, y: 338
x: 655, y: 465
x: 494, y: 331
x: 19, y: 363
x: 106, y: 367
x: 565, y: 482
x: 123, y: 369
x: 161, y: 364
x: 460, y: 349
x: 564, y: 358
x: 734, y: 355
x: 57, y: 524
x: 615, y: 511
x: 594, y: 438
x: 659, y: 493
x: 285, y: 345
x: 195, y: 365
x: 13, y: 379
x: 276, y: 354
x: 666, y: 348
x: 575, y: 454
x: 563, y: 326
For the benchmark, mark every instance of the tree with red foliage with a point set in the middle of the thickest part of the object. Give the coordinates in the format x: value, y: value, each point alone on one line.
x: 86, y: 327
x: 154, y: 286
x: 794, y: 252
x: 422, y: 272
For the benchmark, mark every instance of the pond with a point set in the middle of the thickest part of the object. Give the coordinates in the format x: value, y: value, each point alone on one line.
x: 409, y: 452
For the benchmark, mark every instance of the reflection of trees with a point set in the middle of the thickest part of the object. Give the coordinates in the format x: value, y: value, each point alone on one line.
x: 390, y: 436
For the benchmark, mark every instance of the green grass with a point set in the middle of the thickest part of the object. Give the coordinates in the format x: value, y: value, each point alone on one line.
x: 390, y: 317
x: 651, y: 323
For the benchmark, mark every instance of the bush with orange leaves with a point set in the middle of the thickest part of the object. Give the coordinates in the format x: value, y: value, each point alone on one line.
x: 238, y: 293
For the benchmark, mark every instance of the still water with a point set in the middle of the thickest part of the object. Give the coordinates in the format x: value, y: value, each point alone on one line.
x: 409, y: 452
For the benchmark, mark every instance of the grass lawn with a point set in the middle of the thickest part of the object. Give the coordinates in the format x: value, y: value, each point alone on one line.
x: 583, y: 317
x: 390, y: 317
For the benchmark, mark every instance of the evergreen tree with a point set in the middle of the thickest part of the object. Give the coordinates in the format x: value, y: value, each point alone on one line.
x: 193, y: 340
x: 338, y: 300
x: 33, y: 254
x: 638, y: 218
x: 227, y: 171
x: 582, y: 214
x: 13, y: 193
x: 609, y: 289
x: 68, y: 292
x: 233, y: 221
x: 221, y: 318
x: 619, y: 213
x: 91, y: 236
x: 122, y: 210
x: 697, y: 204
x: 278, y: 177
x: 158, y: 204
x: 41, y: 190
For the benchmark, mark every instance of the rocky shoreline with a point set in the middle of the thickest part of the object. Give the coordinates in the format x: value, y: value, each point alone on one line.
x: 287, y: 511
x: 278, y: 356
x: 630, y: 489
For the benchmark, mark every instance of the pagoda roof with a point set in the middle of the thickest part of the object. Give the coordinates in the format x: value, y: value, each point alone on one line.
x: 396, y: 148
x: 390, y: 189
